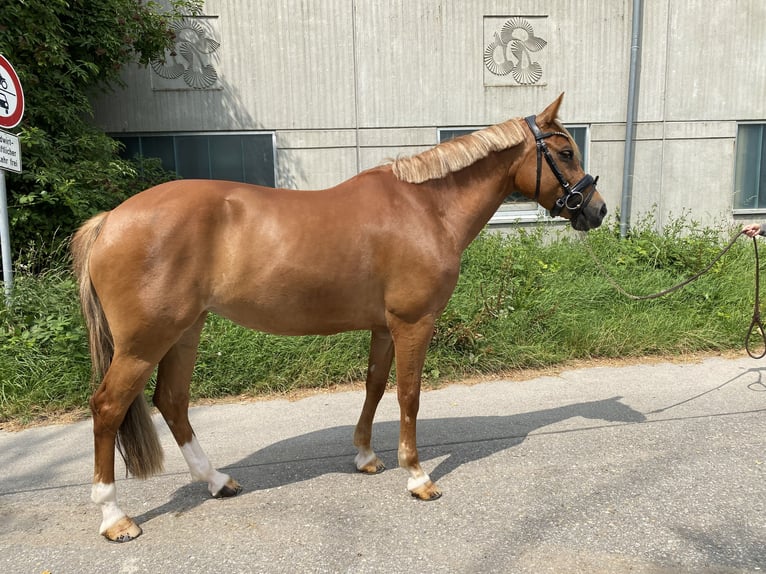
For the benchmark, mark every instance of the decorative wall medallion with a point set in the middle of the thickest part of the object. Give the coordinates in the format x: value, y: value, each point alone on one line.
x: 514, y: 52
x: 193, y: 62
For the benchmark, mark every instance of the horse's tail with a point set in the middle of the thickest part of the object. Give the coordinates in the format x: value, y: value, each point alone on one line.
x: 100, y: 336
x: 137, y: 438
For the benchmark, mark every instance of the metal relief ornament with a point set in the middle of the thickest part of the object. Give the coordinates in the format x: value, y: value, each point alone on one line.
x: 192, y: 62
x: 512, y: 55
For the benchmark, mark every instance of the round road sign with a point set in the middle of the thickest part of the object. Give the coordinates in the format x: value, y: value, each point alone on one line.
x: 11, y: 96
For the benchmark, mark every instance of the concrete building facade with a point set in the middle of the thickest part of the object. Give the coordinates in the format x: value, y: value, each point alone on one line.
x: 327, y: 88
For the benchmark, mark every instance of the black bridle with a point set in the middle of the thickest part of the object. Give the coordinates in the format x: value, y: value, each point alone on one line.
x: 573, y: 197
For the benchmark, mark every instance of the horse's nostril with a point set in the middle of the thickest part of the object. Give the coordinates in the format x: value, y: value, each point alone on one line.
x: 603, y: 211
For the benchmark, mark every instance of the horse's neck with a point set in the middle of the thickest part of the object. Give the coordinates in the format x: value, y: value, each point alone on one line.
x: 473, y: 195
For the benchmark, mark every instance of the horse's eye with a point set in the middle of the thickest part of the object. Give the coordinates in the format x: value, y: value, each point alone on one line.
x: 566, y: 154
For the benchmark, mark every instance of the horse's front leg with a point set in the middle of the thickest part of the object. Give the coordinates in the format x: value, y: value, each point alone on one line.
x: 410, y: 344
x: 378, y: 369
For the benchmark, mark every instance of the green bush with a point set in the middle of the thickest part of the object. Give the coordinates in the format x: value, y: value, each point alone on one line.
x: 44, y: 362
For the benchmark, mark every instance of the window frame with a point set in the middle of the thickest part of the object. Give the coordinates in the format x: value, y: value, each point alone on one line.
x: 736, y: 170
x: 524, y: 211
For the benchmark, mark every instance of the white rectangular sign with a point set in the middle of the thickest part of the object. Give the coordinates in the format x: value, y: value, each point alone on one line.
x: 10, y: 152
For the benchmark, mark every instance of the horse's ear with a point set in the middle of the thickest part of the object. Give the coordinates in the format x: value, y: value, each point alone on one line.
x: 549, y: 114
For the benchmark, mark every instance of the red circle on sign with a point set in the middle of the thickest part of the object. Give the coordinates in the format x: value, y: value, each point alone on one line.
x: 13, y: 119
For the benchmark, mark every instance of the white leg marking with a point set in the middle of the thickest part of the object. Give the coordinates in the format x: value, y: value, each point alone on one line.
x: 413, y: 483
x: 200, y: 467
x: 105, y: 495
x: 364, y: 456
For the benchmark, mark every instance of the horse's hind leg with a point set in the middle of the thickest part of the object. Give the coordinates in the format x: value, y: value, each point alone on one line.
x: 122, y: 385
x: 171, y: 396
x: 378, y: 368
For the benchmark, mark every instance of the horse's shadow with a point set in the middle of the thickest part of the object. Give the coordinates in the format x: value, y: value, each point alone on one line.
x: 459, y: 440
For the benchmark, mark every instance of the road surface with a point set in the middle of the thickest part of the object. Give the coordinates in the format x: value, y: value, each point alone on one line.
x: 652, y: 468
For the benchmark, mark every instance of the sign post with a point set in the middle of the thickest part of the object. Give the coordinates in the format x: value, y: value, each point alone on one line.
x: 11, y: 112
x: 5, y: 241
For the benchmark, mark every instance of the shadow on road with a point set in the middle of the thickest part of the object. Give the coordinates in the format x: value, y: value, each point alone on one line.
x: 460, y: 439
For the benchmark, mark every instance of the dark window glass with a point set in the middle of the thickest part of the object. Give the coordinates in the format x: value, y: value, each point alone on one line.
x: 132, y: 147
x: 247, y: 158
x: 750, y: 170
x: 160, y: 147
x: 258, y: 154
x: 226, y: 159
x: 193, y: 157
x: 580, y: 136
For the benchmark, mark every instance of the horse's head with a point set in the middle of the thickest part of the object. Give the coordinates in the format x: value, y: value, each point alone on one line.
x: 552, y: 174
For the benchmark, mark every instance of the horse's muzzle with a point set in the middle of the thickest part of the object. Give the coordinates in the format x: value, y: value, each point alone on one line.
x: 591, y: 216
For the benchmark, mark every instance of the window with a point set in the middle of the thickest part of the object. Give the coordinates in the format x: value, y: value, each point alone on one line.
x: 516, y: 207
x: 247, y: 157
x: 750, y: 170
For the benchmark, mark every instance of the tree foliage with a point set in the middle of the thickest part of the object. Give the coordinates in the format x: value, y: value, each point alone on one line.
x: 65, y: 52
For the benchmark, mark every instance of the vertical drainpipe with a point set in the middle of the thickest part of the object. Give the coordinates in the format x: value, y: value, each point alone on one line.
x: 630, y: 150
x: 356, y: 87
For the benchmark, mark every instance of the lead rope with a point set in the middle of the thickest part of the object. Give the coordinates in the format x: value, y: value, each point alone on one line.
x: 756, y: 321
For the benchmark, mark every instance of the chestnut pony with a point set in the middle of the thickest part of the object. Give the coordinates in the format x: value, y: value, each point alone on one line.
x: 380, y: 251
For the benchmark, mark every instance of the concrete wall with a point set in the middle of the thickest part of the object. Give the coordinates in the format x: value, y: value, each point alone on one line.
x: 346, y: 84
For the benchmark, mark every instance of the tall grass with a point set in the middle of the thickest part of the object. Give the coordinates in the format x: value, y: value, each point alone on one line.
x: 533, y: 299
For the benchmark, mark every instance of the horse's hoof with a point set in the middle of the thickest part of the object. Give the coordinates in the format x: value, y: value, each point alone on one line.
x: 375, y: 466
x: 231, y: 488
x: 123, y: 530
x: 427, y: 491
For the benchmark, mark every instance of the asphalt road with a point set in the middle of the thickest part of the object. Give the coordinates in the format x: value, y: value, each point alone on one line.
x: 652, y: 468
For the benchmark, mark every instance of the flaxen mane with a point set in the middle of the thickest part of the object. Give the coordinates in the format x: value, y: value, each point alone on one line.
x: 456, y: 154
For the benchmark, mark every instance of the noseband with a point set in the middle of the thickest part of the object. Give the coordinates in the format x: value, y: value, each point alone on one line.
x: 572, y: 198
